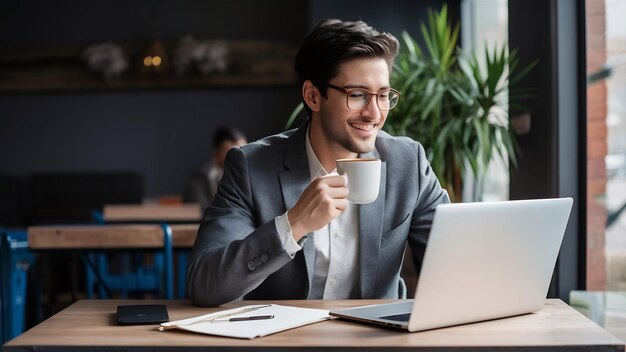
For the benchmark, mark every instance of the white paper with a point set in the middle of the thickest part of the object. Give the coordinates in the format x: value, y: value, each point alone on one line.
x: 285, y: 318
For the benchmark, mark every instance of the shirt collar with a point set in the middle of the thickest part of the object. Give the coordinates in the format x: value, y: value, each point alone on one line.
x: 315, y: 167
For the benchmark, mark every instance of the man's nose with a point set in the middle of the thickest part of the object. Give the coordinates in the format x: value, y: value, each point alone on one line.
x: 371, y: 110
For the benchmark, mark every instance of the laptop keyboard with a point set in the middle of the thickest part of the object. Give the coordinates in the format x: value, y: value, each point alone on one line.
x: 397, y: 317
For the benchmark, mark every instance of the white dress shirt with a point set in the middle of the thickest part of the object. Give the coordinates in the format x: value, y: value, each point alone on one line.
x: 336, y: 266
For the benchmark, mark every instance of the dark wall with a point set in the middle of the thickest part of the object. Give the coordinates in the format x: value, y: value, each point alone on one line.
x: 161, y: 134
x: 388, y: 16
x: 67, y: 21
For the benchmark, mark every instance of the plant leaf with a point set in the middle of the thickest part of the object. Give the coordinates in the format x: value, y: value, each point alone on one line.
x: 294, y: 114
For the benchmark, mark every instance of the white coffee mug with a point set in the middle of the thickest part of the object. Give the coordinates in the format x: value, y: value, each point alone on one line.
x: 363, y: 178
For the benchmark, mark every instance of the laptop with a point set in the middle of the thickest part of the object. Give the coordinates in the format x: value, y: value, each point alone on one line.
x: 483, y: 261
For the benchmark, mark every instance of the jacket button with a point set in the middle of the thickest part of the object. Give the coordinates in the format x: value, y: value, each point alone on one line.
x: 257, y: 261
x: 251, y: 266
x: 265, y: 258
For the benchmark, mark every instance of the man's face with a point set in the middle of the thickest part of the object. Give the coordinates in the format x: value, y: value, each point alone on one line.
x: 354, y: 130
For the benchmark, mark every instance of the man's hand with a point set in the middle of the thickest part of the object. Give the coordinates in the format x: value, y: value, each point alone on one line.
x: 322, y: 201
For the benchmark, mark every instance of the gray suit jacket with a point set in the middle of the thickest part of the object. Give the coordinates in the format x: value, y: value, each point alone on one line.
x: 238, y: 252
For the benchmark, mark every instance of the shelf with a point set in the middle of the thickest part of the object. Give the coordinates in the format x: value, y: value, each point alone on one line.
x: 250, y: 64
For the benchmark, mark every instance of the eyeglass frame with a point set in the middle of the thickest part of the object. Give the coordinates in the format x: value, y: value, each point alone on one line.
x: 347, y: 93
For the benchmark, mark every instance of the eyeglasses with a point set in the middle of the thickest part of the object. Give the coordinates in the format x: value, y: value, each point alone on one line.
x: 358, y: 98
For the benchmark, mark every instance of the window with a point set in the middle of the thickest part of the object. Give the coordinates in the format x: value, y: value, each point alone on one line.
x: 486, y: 24
x: 606, y: 140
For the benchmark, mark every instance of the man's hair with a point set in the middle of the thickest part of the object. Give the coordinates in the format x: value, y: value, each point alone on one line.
x: 333, y: 42
x: 226, y: 134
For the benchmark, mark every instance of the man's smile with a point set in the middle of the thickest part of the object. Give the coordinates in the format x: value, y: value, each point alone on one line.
x: 364, y: 126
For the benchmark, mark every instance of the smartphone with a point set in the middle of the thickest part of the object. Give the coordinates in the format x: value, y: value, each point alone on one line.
x: 142, y: 314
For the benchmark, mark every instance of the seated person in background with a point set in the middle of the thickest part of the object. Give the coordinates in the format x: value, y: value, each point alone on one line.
x: 202, y: 185
x: 277, y: 230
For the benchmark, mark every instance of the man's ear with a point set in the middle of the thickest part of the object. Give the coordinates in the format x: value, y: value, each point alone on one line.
x: 311, y: 96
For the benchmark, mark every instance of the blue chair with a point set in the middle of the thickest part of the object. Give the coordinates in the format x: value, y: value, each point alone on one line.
x: 15, y: 261
x: 183, y: 258
x: 134, y: 277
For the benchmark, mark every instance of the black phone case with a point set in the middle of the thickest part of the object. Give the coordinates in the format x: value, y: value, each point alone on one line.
x: 142, y: 314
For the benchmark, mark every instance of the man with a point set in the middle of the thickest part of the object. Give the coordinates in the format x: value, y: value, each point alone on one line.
x: 281, y: 226
x: 202, y: 185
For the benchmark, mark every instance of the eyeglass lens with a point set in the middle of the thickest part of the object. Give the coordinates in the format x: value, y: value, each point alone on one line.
x: 358, y: 99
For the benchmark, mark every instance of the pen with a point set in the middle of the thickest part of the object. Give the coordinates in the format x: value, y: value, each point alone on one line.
x: 253, y: 317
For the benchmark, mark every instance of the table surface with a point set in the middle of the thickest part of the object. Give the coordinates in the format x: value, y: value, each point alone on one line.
x: 129, y: 226
x: 90, y: 324
x: 152, y: 212
x: 108, y: 236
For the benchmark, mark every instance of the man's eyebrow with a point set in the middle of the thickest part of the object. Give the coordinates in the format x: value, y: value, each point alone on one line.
x: 349, y: 86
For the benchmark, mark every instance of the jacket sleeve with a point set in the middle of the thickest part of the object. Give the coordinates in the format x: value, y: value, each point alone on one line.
x: 232, y: 255
x: 429, y: 195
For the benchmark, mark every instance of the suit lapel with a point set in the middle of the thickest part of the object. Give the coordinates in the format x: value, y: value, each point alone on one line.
x: 293, y: 180
x: 370, y: 233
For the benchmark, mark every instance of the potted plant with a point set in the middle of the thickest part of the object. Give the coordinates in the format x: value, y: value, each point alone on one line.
x: 457, y: 109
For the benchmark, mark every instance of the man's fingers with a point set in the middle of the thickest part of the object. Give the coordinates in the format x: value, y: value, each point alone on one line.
x: 332, y: 185
x: 334, y: 180
x: 341, y: 204
x: 338, y: 192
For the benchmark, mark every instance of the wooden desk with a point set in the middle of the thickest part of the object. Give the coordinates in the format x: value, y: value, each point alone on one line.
x: 152, y: 213
x: 112, y: 237
x: 184, y: 235
x: 90, y: 324
x: 82, y: 237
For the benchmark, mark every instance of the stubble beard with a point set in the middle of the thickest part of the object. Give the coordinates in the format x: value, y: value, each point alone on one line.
x: 347, y: 141
x: 359, y: 148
